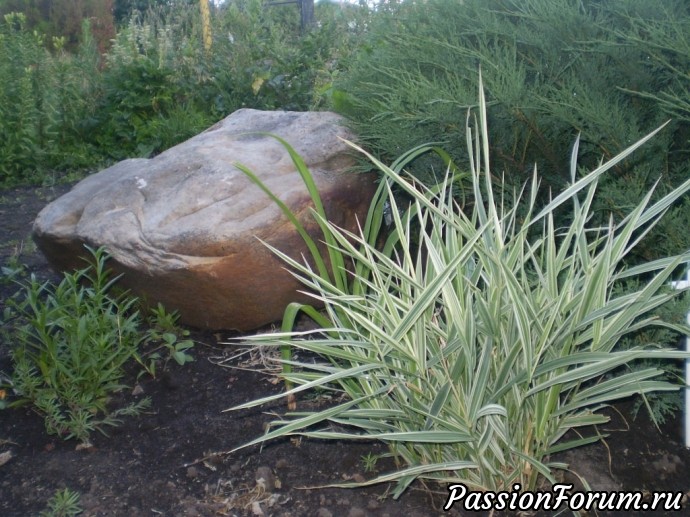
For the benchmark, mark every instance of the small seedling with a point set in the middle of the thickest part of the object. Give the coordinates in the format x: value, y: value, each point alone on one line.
x: 178, y: 349
x: 369, y: 461
x: 4, y: 381
x: 13, y: 270
x: 65, y: 503
x: 165, y: 333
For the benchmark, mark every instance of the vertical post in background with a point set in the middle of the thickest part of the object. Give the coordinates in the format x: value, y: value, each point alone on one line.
x: 684, y: 284
x: 306, y: 9
x: 206, y: 24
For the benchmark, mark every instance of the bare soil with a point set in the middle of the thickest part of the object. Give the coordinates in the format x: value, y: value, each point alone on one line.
x: 174, y: 460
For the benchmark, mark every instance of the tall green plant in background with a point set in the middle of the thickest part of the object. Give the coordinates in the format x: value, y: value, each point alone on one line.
x: 68, y: 105
x: 46, y: 103
x: 488, y: 332
x: 75, y: 87
x: 22, y: 126
x: 273, y: 65
x: 155, y: 76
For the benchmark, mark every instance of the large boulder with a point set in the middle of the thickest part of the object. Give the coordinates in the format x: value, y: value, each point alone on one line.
x: 184, y: 227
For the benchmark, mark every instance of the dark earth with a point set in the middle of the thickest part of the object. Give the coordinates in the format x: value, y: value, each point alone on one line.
x: 173, y: 459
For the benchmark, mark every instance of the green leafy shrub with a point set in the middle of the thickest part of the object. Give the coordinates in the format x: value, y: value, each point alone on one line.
x: 486, y: 333
x: 164, y: 87
x: 64, y: 112
x: 153, y: 72
x: 270, y: 64
x: 72, y: 343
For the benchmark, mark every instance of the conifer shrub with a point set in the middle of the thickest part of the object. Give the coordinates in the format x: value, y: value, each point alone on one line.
x: 608, y: 71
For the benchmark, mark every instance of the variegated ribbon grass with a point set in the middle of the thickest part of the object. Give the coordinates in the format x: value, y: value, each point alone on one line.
x: 331, y: 266
x: 475, y: 341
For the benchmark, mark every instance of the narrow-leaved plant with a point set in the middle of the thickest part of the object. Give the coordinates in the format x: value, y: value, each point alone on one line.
x: 480, y: 336
x: 72, y: 342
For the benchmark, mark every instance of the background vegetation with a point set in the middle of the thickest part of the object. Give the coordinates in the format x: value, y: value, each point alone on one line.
x: 76, y: 100
x: 88, y: 83
x: 553, y: 69
x: 128, y: 78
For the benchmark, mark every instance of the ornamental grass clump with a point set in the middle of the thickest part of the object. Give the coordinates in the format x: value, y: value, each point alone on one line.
x: 481, y: 335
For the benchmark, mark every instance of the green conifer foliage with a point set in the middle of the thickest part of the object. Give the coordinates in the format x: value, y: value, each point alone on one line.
x: 553, y: 69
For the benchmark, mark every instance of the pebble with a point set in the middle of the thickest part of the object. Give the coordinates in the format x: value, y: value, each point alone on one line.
x: 138, y: 390
x: 358, y: 478
x: 264, y: 476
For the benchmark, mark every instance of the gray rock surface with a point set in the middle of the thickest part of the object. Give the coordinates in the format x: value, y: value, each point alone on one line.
x: 183, y: 226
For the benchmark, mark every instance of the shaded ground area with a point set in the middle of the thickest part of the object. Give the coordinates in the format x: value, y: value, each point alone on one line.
x: 172, y: 461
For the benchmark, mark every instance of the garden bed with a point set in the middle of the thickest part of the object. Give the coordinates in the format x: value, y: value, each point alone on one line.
x: 173, y: 460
